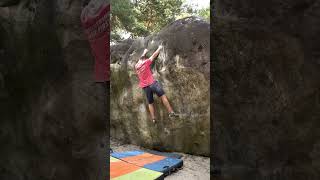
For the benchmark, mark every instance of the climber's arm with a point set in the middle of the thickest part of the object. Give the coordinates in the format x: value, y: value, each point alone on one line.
x: 155, y: 54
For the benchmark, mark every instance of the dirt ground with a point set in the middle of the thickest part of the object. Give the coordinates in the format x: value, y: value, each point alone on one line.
x: 194, y: 167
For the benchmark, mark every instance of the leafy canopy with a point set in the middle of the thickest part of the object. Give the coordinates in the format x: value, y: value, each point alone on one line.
x: 142, y: 17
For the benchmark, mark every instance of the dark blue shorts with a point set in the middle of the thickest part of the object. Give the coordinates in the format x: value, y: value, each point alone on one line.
x: 155, y: 87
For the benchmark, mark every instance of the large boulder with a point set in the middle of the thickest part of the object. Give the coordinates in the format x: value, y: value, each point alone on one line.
x: 266, y: 89
x: 52, y: 123
x: 182, y: 68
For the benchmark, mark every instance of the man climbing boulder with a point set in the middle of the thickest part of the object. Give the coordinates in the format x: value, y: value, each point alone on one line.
x: 150, y: 85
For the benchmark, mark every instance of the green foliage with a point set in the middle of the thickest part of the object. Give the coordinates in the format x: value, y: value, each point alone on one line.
x: 189, y: 10
x: 155, y: 14
x: 204, y: 13
x: 143, y: 17
x: 122, y: 18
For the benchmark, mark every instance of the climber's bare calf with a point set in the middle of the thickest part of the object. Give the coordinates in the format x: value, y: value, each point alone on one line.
x: 149, y: 84
x: 165, y: 102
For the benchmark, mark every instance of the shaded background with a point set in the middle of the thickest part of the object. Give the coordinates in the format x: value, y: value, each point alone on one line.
x: 266, y: 89
x: 53, y: 115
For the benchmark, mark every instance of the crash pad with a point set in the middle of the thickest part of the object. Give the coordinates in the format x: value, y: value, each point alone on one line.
x: 121, y: 170
x: 167, y: 154
x: 150, y: 161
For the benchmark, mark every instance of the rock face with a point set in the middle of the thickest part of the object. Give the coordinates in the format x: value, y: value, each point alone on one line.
x: 52, y: 123
x: 182, y: 68
x: 266, y: 89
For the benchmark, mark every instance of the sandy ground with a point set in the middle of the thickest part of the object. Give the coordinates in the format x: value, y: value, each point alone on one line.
x: 194, y: 167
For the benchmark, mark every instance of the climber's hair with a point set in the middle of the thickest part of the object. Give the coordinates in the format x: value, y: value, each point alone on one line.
x: 143, y: 57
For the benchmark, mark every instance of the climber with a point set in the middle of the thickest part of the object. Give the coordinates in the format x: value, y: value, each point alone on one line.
x: 150, y: 85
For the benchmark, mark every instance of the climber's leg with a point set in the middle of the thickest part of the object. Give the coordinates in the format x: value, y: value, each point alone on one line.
x: 150, y: 99
x: 151, y: 109
x: 166, y: 103
x: 156, y: 88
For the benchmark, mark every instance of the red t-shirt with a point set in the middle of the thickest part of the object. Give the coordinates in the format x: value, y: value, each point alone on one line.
x: 143, y: 69
x: 97, y: 29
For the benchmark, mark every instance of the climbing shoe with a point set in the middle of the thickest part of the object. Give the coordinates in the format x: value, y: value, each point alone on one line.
x: 173, y: 115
